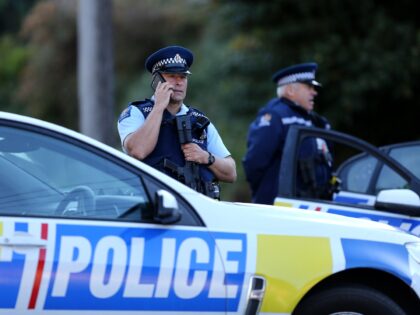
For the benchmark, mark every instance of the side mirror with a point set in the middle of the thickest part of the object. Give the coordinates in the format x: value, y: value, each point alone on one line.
x: 403, y: 201
x: 166, y: 208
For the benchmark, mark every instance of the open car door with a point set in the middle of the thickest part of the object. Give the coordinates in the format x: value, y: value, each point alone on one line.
x: 366, y: 182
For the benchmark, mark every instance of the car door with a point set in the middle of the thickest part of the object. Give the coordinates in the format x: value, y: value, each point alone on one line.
x: 79, y: 231
x: 373, y: 185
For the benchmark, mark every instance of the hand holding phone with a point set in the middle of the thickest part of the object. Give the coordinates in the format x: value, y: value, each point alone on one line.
x: 157, y: 77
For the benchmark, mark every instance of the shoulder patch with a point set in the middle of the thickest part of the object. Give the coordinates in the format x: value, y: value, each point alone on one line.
x: 265, y: 120
x: 125, y: 113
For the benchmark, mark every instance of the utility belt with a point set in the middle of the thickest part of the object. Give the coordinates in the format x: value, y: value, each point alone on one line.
x: 189, y: 175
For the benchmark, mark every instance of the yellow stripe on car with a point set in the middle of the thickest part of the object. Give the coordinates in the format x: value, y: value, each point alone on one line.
x: 291, y: 266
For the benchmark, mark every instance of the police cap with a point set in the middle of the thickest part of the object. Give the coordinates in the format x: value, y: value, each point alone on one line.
x: 304, y: 73
x: 171, y: 59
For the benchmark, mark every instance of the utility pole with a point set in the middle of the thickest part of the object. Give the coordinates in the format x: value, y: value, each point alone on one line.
x: 96, y: 70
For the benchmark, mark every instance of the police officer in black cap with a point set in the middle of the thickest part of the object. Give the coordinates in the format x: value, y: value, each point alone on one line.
x: 149, y: 131
x: 296, y: 91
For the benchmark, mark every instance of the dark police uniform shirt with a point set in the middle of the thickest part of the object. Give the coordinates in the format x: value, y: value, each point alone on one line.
x: 168, y: 145
x: 266, y: 137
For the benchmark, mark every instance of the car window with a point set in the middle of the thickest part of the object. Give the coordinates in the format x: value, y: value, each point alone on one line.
x: 356, y: 176
x: 389, y: 179
x: 43, y: 175
x: 408, y: 156
x: 359, y: 175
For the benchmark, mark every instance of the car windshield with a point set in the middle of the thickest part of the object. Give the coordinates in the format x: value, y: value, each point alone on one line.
x: 39, y: 170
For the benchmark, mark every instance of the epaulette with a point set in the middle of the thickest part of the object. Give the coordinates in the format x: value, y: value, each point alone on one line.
x: 195, y: 112
x: 144, y: 106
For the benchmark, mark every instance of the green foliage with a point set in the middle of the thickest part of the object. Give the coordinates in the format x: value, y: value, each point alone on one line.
x: 48, y: 86
x: 13, y: 53
x: 367, y: 51
x: 13, y: 57
x: 11, y: 14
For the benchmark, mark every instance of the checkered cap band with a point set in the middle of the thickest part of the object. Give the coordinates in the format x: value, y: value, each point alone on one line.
x: 177, y: 59
x: 296, y: 77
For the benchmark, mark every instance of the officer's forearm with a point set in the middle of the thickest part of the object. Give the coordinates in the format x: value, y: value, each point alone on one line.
x: 224, y: 169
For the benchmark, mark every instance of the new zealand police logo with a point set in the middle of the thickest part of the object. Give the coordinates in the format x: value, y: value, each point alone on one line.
x: 203, y: 135
x: 126, y: 113
x: 265, y: 120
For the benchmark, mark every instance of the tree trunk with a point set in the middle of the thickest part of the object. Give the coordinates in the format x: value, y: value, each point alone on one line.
x: 95, y: 70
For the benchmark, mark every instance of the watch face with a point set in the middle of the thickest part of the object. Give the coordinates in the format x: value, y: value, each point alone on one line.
x: 211, y: 159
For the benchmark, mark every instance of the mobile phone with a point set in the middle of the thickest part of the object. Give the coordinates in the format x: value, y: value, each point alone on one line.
x: 157, y: 77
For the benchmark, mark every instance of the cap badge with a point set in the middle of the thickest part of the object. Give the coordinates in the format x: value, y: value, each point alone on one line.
x: 178, y: 59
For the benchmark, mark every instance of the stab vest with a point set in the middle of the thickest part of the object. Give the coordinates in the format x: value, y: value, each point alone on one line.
x: 168, y: 145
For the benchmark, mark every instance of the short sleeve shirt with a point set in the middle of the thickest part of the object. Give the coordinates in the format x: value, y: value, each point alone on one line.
x: 132, y: 118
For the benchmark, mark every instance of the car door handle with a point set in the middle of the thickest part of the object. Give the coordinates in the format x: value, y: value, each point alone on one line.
x: 22, y: 241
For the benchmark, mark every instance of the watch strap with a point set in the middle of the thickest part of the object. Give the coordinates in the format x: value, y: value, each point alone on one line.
x: 211, y: 159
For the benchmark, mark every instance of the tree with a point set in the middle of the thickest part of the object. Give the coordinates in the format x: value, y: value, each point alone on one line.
x: 95, y: 70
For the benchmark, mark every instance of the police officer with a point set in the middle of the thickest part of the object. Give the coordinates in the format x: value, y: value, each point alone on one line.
x: 148, y: 128
x: 296, y: 90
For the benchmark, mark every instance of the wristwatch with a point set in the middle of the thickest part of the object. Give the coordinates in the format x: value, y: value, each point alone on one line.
x: 211, y: 159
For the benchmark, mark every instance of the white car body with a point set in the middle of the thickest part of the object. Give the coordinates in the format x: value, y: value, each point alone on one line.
x: 79, y: 264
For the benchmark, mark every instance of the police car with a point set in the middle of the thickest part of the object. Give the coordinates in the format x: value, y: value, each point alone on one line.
x: 375, y: 184
x: 86, y: 229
